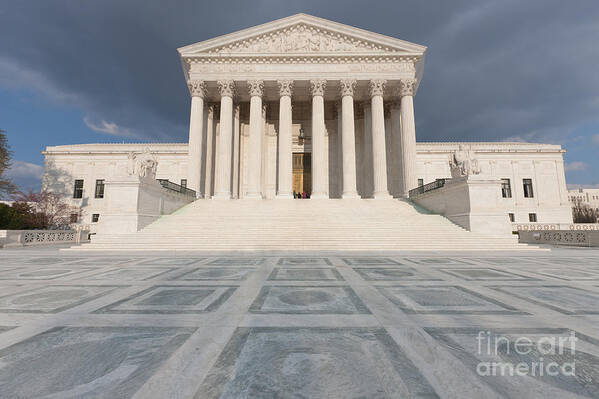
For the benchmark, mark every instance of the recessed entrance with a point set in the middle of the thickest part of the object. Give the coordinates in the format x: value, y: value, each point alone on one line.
x: 302, y: 172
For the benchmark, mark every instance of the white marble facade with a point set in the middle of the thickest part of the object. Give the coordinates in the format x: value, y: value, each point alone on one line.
x: 348, y: 92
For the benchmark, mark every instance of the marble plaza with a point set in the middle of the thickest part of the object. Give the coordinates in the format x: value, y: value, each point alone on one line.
x: 294, y: 324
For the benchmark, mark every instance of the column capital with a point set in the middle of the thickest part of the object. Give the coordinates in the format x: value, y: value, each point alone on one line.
x: 407, y: 87
x: 377, y: 87
x: 226, y: 87
x: 197, y: 88
x: 347, y: 86
x: 317, y: 87
x: 256, y: 88
x: 285, y: 87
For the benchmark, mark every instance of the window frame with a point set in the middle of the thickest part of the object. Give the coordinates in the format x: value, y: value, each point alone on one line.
x: 99, y: 190
x: 506, y: 188
x: 525, y: 184
x: 78, y: 191
x: 95, y: 217
x: 531, y: 216
x: 512, y: 217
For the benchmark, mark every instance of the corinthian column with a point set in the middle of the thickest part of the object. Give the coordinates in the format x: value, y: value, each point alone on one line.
x: 396, y: 176
x: 408, y: 137
x: 285, y: 143
x: 319, y: 170
x: 348, y: 138
x: 379, y: 156
x: 222, y: 183
x: 256, y: 89
x: 197, y: 89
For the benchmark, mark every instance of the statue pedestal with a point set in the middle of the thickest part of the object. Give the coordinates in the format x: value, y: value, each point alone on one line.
x: 471, y: 202
x: 134, y: 202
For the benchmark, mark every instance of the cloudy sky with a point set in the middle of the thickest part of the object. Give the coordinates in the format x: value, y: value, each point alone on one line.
x: 108, y: 71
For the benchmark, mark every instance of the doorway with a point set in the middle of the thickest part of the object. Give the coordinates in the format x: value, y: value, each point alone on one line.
x: 302, y: 172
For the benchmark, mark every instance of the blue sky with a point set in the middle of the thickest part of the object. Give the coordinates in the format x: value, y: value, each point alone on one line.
x: 108, y: 71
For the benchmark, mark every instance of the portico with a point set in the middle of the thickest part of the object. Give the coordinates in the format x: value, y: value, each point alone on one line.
x: 302, y: 85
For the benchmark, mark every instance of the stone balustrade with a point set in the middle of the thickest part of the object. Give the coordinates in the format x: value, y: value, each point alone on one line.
x: 22, y: 238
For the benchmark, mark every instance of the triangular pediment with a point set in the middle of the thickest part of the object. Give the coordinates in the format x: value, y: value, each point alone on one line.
x: 302, y: 34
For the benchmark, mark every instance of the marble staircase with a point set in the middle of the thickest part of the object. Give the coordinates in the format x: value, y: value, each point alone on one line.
x: 354, y: 225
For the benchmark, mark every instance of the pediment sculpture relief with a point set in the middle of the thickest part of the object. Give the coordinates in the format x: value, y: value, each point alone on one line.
x: 300, y: 39
x: 463, y: 163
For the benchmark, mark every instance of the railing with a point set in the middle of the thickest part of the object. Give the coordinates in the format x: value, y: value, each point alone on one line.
x: 20, y: 238
x: 169, y: 185
x: 418, y: 191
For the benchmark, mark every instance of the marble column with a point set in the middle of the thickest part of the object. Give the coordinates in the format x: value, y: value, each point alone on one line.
x: 256, y: 89
x: 210, y: 156
x: 319, y: 169
x: 348, y: 139
x: 236, y: 152
x: 197, y: 89
x: 367, y: 151
x: 396, y: 175
x: 222, y: 184
x: 285, y: 140
x: 379, y: 156
x: 408, y: 137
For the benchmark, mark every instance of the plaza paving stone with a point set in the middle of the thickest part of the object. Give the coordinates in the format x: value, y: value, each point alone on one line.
x: 294, y: 325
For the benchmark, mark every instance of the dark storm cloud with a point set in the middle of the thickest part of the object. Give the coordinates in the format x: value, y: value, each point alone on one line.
x: 494, y: 69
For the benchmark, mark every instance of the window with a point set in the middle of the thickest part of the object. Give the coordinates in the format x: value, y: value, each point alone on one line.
x: 99, y: 189
x: 512, y: 217
x: 420, y: 182
x: 74, y: 217
x: 95, y: 217
x: 527, y: 183
x: 184, y: 183
x: 532, y: 217
x: 506, y: 188
x: 78, y: 190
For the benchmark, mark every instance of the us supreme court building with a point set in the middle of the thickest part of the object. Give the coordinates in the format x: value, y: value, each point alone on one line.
x: 307, y: 105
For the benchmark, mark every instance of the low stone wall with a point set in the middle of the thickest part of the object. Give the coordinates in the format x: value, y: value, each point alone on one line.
x: 133, y: 203
x: 470, y: 202
x: 578, y: 238
x: 22, y: 238
x: 555, y: 226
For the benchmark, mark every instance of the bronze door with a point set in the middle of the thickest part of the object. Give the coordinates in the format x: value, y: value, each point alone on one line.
x: 302, y: 172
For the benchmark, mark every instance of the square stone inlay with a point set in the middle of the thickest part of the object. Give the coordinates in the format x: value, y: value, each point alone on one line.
x: 563, y: 299
x: 438, y: 261
x: 103, y: 261
x: 515, y: 261
x: 305, y: 274
x: 86, y: 362
x: 392, y: 274
x: 131, y: 273
x: 47, y: 261
x: 216, y: 273
x: 53, y: 298
x: 465, y: 345
x: 304, y: 262
x: 567, y: 273
x: 170, y: 261
x: 237, y: 262
x: 484, y: 274
x: 44, y: 273
x: 308, y: 300
x: 267, y: 362
x: 443, y: 299
x: 364, y: 261
x: 172, y: 299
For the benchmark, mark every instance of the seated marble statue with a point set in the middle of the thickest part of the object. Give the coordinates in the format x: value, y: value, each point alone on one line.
x: 463, y: 163
x: 146, y: 165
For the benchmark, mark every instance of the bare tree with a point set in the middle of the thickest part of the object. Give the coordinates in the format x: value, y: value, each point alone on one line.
x: 582, y: 213
x: 6, y: 186
x: 47, y: 210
